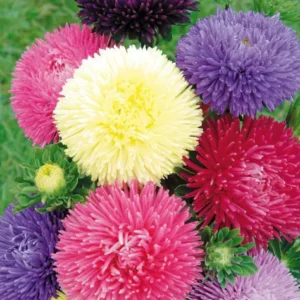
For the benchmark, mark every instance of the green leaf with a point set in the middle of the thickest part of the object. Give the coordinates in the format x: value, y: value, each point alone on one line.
x: 251, y: 268
x: 220, y: 276
x: 30, y: 190
x: 206, y: 234
x: 236, y: 241
x: 246, y: 259
x: 19, y: 179
x: 233, y: 233
x: 237, y: 259
x: 230, y: 278
x: 45, y: 156
x: 225, y: 232
x: 72, y: 185
x: 220, y: 235
x: 181, y: 191
x: 237, y: 270
x: 23, y: 199
x: 239, y: 250
x: 78, y: 198
x: 248, y: 246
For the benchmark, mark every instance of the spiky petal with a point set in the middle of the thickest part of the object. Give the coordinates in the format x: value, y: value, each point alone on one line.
x: 247, y: 176
x: 138, y: 19
x: 27, y: 241
x: 272, y: 281
x: 41, y: 73
x: 128, y: 244
x: 128, y: 114
x: 241, y: 61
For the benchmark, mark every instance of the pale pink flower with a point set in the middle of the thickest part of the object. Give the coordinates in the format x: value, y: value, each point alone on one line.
x: 272, y: 281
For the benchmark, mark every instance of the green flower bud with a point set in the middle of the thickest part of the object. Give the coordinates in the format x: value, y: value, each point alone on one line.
x: 50, y: 179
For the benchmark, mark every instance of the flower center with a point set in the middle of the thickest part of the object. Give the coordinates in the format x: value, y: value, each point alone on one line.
x: 246, y: 42
x: 57, y: 65
x: 50, y: 179
x: 225, y: 255
x: 130, y: 114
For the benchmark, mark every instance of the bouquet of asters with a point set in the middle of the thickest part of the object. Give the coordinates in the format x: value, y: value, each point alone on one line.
x: 156, y: 178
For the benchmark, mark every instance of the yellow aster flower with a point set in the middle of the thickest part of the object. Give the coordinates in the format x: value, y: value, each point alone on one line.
x: 61, y: 296
x: 128, y: 114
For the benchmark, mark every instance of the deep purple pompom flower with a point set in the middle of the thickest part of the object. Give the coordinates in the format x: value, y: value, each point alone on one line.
x: 27, y: 240
x: 141, y: 19
x: 272, y: 281
x: 241, y: 61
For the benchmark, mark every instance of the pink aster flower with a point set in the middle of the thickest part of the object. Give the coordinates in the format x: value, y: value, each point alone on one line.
x: 128, y: 244
x: 247, y: 176
x: 272, y: 281
x: 41, y: 73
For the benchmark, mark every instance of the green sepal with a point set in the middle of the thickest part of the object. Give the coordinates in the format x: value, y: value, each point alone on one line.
x: 182, y: 190
x: 225, y: 256
x: 288, y: 253
x: 74, y: 189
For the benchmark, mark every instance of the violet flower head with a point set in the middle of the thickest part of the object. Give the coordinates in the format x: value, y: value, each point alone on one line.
x: 272, y: 281
x: 241, y: 61
x: 27, y: 240
x: 138, y: 19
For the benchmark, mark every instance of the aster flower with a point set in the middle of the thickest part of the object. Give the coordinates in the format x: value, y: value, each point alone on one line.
x: 53, y: 179
x: 128, y: 114
x: 272, y: 282
x: 241, y: 61
x: 247, y: 176
x: 26, y: 268
x: 144, y: 20
x: 42, y: 71
x: 132, y: 244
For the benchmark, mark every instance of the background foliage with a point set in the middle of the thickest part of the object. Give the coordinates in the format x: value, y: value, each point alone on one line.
x: 22, y: 21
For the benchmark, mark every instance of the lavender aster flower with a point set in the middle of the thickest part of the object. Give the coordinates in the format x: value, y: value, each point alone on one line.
x: 141, y: 19
x: 241, y: 61
x: 27, y: 240
x: 272, y: 281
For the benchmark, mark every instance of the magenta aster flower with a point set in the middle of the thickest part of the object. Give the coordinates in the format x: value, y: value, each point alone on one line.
x: 41, y: 73
x: 133, y: 244
x: 247, y: 176
x: 241, y: 61
x: 141, y: 19
x: 272, y: 281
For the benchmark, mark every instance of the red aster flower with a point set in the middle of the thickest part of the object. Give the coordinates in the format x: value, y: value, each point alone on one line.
x: 247, y: 175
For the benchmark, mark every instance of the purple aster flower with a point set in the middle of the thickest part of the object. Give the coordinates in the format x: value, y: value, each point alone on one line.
x: 141, y: 19
x: 241, y: 61
x: 27, y: 240
x: 272, y: 281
